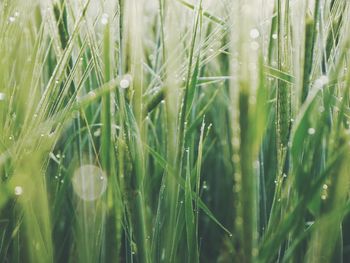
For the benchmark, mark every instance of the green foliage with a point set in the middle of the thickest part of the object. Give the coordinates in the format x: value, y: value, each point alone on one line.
x: 214, y: 131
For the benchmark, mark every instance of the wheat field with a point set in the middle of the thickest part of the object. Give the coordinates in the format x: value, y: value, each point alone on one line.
x: 174, y: 131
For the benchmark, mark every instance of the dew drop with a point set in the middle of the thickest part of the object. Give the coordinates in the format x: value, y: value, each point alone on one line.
x: 311, y: 131
x: 254, y: 33
x: 18, y: 190
x: 321, y: 81
x: 125, y: 82
x: 205, y: 186
x: 325, y: 187
x: 87, y: 183
x: 97, y: 133
x: 274, y: 36
x: 2, y: 96
x: 12, y: 19
x: 104, y: 19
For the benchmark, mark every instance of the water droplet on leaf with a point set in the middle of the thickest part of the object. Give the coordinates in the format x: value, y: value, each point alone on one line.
x: 125, y: 82
x: 104, y: 19
x: 254, y: 33
x: 18, y: 190
x: 311, y: 131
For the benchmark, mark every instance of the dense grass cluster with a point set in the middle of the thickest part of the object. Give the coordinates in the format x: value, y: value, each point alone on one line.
x: 174, y: 131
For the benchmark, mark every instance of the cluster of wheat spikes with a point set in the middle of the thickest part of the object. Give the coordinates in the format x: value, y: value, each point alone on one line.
x: 174, y: 131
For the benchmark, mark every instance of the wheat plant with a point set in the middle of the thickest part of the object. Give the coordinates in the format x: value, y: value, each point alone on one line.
x: 174, y: 131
